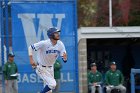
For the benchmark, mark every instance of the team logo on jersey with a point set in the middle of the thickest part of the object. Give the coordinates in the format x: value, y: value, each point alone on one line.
x: 97, y: 75
x: 117, y: 74
x: 52, y: 51
x: 9, y: 66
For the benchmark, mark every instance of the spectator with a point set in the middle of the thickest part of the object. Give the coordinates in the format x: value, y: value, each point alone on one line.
x: 94, y: 79
x: 10, y: 74
x: 114, y: 79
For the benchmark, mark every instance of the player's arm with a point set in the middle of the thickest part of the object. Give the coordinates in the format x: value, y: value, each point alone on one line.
x: 64, y: 57
x: 30, y: 52
x: 34, y: 47
x: 63, y: 53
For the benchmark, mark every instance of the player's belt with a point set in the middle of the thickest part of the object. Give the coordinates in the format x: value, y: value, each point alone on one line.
x: 43, y: 65
x: 46, y: 66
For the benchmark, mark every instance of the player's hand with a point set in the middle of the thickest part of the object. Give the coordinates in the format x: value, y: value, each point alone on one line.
x: 94, y: 84
x: 32, y: 62
x: 34, y: 65
x: 64, y: 57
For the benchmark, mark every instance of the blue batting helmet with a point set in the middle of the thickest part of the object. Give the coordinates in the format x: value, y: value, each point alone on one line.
x: 51, y: 31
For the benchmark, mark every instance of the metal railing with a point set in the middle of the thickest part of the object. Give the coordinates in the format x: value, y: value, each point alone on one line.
x: 133, y: 85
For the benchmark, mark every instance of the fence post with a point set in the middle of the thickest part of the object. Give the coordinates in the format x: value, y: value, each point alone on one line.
x: 7, y: 25
x: 2, y: 44
x: 132, y: 82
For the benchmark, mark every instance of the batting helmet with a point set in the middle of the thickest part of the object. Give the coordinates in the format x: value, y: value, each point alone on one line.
x: 51, y: 31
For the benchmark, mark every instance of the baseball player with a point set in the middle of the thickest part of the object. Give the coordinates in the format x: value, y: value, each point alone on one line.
x: 47, y: 53
x: 114, y: 79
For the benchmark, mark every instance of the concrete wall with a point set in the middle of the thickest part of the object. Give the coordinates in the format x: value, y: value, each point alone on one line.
x: 82, y: 50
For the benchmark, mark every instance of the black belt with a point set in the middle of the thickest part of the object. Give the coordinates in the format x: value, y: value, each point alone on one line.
x: 44, y: 66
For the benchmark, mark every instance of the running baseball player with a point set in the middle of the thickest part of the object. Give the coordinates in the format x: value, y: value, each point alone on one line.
x: 47, y: 53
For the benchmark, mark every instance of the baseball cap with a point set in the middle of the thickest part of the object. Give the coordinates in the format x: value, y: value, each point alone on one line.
x: 11, y: 54
x: 92, y: 64
x: 113, y: 63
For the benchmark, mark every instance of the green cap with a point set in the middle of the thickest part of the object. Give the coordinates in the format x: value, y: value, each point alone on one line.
x: 92, y: 64
x: 113, y: 63
x: 11, y: 54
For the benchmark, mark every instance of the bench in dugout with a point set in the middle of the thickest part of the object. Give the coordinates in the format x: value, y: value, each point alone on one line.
x: 104, y: 91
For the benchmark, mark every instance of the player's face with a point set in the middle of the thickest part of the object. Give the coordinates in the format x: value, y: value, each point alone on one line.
x: 11, y: 58
x: 56, y: 36
x: 94, y: 68
x: 113, y: 67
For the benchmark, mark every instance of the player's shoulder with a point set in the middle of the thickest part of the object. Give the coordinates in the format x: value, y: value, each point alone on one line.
x: 109, y: 71
x: 118, y: 71
x: 60, y: 42
x: 5, y: 64
x: 42, y: 41
x: 89, y: 73
x: 45, y: 41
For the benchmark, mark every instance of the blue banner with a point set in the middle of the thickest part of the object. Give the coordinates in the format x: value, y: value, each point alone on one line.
x: 29, y: 24
x: 40, y: 0
x: 0, y: 32
x: 0, y: 20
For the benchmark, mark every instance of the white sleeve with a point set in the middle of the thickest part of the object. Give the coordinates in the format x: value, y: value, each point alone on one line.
x: 63, y: 50
x: 37, y: 46
x: 30, y: 51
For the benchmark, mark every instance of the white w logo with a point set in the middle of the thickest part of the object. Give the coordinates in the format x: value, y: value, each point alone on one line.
x: 45, y: 22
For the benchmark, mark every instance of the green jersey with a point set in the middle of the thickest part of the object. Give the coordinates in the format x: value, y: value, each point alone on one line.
x: 114, y: 77
x: 94, y: 77
x: 9, y: 69
x: 57, y: 67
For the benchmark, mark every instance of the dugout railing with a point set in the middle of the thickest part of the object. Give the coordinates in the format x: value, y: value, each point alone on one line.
x: 134, y: 87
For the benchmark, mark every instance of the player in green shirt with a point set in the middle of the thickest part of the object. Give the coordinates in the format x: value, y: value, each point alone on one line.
x: 94, y: 79
x: 57, y: 75
x: 114, y: 79
x: 10, y: 74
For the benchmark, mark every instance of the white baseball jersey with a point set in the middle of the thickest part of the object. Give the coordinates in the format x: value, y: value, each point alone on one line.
x: 47, y: 52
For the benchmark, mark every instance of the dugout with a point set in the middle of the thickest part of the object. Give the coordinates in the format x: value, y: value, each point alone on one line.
x: 105, y: 44
x: 124, y: 51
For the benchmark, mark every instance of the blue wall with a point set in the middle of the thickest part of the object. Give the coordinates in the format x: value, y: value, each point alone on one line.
x: 30, y: 22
